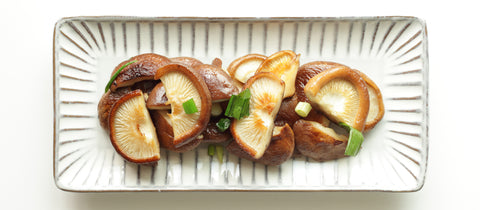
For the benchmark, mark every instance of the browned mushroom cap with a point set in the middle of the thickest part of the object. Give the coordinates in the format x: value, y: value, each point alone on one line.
x: 157, y: 99
x: 242, y: 68
x: 106, y: 102
x: 280, y: 149
x: 132, y: 132
x: 182, y: 84
x: 219, y: 83
x: 318, y: 142
x: 377, y: 109
x: 308, y: 71
x: 187, y: 61
x: 284, y: 64
x: 253, y: 132
x: 163, y: 125
x: 213, y: 135
x: 217, y: 62
x: 341, y: 94
x: 144, y: 69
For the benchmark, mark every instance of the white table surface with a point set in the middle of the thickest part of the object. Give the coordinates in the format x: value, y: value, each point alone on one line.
x: 26, y: 176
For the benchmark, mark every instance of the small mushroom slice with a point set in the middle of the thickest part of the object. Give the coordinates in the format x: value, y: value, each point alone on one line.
x: 253, y: 132
x: 219, y: 83
x: 308, y: 71
x: 144, y: 68
x: 341, y: 94
x: 132, y: 132
x: 241, y: 69
x: 281, y: 147
x: 187, y: 61
x: 106, y: 102
x: 284, y: 64
x: 182, y: 84
x: 318, y: 142
x: 377, y: 109
x: 163, y: 125
x: 157, y: 99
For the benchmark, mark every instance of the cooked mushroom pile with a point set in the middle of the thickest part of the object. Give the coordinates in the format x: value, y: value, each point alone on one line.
x: 261, y: 108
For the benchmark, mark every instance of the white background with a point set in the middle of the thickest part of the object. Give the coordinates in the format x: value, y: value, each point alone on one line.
x: 26, y: 110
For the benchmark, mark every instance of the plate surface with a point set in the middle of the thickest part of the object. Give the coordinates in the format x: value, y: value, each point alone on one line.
x: 390, y: 50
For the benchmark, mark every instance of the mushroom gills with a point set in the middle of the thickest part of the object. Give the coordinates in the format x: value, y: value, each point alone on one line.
x: 254, y: 131
x: 338, y: 99
x: 132, y: 131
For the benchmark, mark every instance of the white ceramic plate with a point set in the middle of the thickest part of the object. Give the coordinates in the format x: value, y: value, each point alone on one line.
x: 391, y: 50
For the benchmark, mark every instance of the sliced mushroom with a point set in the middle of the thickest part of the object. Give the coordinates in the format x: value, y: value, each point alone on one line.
x: 157, y: 99
x: 132, y: 132
x: 241, y: 69
x: 163, y: 124
x: 318, y: 142
x: 377, y: 109
x: 253, y: 132
x: 182, y: 84
x: 106, y: 102
x: 308, y: 71
x: 341, y: 94
x: 281, y: 147
x: 284, y: 64
x: 144, y: 68
x: 219, y: 83
x: 187, y: 61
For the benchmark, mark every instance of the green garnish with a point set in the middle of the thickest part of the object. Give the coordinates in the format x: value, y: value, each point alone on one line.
x: 303, y: 108
x: 219, y: 150
x: 116, y: 75
x: 189, y: 106
x: 239, y: 105
x: 223, y: 124
x: 211, y: 150
x: 355, y: 140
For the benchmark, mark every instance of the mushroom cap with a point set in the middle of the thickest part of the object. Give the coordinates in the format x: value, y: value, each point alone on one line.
x: 376, y: 109
x: 157, y: 99
x: 279, y: 150
x: 144, y: 69
x: 242, y: 68
x: 163, y: 125
x: 219, y: 83
x: 254, y: 131
x: 132, y: 132
x: 284, y: 64
x: 308, y: 71
x: 182, y: 84
x: 106, y: 102
x: 341, y: 94
x: 318, y: 142
x: 187, y: 61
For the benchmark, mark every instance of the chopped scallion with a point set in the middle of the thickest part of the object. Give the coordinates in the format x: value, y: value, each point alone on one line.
x: 303, y: 108
x: 116, y: 75
x: 238, y: 105
x: 211, y: 150
x: 219, y: 150
x: 189, y: 106
x: 355, y: 140
x: 223, y: 124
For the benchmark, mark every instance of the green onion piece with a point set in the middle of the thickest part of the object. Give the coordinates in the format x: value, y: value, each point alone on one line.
x: 303, y: 108
x: 211, y: 150
x: 189, y: 106
x: 219, y: 150
x: 239, y: 105
x: 355, y: 140
x: 116, y: 75
x: 228, y: 110
x: 223, y: 124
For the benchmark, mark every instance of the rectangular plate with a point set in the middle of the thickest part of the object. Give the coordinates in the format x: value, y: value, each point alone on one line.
x: 390, y: 50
